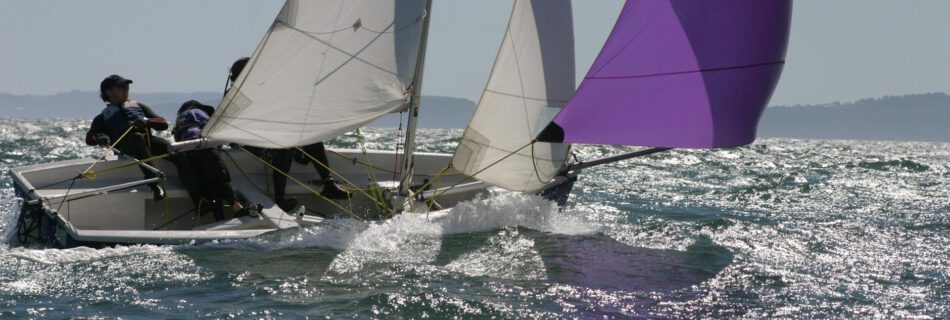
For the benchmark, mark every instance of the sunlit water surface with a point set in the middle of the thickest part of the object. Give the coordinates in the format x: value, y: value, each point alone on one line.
x: 781, y: 228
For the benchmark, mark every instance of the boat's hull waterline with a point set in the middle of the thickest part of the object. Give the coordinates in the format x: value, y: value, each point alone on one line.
x: 117, y: 206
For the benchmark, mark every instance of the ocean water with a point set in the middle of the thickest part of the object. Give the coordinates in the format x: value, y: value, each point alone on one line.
x: 779, y: 229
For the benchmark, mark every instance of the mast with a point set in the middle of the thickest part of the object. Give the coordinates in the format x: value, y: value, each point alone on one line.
x: 416, y: 89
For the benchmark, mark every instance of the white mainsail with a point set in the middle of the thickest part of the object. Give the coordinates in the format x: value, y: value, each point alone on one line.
x: 323, y: 69
x: 532, y: 80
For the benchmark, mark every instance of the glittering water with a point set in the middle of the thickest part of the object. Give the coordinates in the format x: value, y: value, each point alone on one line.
x: 782, y: 228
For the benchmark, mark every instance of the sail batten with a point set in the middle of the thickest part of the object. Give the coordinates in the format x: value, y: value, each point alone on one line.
x: 680, y: 74
x: 323, y: 69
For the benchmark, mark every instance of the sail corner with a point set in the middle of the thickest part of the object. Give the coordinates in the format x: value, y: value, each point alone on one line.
x: 552, y: 133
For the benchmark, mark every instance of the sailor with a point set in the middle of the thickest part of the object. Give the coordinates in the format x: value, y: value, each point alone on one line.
x: 215, y: 182
x: 123, y: 115
x: 283, y: 158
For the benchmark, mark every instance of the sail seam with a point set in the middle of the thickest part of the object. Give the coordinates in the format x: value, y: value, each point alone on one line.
x: 687, y: 72
x: 312, y: 123
x: 526, y: 98
x: 363, y: 27
x: 517, y: 152
x: 352, y: 56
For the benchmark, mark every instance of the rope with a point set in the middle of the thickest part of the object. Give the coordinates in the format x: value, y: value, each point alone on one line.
x: 341, y: 177
x: 198, y: 210
x: 361, y: 140
x: 91, y: 175
x: 244, y: 174
x: 72, y: 181
x: 467, y: 177
x: 534, y: 163
x: 366, y: 164
x: 437, y: 177
x: 350, y: 212
x: 175, y: 219
x: 104, y: 154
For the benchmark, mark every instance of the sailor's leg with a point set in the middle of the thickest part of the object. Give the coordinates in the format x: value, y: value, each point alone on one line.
x: 187, y: 165
x: 282, y: 159
x: 319, y: 152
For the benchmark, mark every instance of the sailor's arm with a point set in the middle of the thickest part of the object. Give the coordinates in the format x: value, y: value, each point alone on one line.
x: 96, y: 136
x: 154, y: 120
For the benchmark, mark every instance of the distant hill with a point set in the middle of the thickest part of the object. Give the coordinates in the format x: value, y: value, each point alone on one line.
x: 438, y: 112
x: 917, y: 117
x: 86, y: 104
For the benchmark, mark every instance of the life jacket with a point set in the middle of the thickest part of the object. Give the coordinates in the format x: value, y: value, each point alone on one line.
x: 189, y: 124
x: 116, y: 119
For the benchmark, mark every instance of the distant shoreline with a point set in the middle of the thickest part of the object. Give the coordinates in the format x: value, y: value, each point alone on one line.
x: 915, y: 117
x: 441, y: 112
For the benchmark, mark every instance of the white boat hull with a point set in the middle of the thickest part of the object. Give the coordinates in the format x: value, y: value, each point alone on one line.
x: 112, y: 209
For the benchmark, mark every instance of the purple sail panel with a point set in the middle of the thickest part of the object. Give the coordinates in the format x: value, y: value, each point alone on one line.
x: 680, y: 74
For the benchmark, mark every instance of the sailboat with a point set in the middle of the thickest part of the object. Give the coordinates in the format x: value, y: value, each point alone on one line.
x: 672, y: 74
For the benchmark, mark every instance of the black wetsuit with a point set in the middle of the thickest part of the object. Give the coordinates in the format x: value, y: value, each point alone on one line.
x: 139, y: 143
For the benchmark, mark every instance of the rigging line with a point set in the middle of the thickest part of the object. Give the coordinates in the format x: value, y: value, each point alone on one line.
x: 133, y: 163
x: 438, y: 176
x: 104, y: 154
x: 640, y: 153
x: 435, y: 180
x: 369, y: 165
x: 686, y: 72
x: 486, y: 146
x: 73, y: 180
x: 175, y: 219
x: 350, y: 212
x: 244, y: 174
x: 198, y: 211
x: 66, y: 195
x: 371, y: 175
x: 58, y: 182
x: 467, y: 177
x: 338, y: 175
x: 534, y: 163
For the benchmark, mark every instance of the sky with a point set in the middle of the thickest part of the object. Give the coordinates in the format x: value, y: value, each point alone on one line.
x: 840, y: 50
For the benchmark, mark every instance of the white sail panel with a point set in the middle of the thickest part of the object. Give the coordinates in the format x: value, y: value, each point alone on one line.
x: 324, y: 68
x: 532, y: 80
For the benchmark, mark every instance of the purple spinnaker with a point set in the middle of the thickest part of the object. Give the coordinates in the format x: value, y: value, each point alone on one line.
x: 680, y: 74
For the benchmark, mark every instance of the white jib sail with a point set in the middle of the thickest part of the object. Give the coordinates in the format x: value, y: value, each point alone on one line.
x: 324, y: 68
x: 532, y: 80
